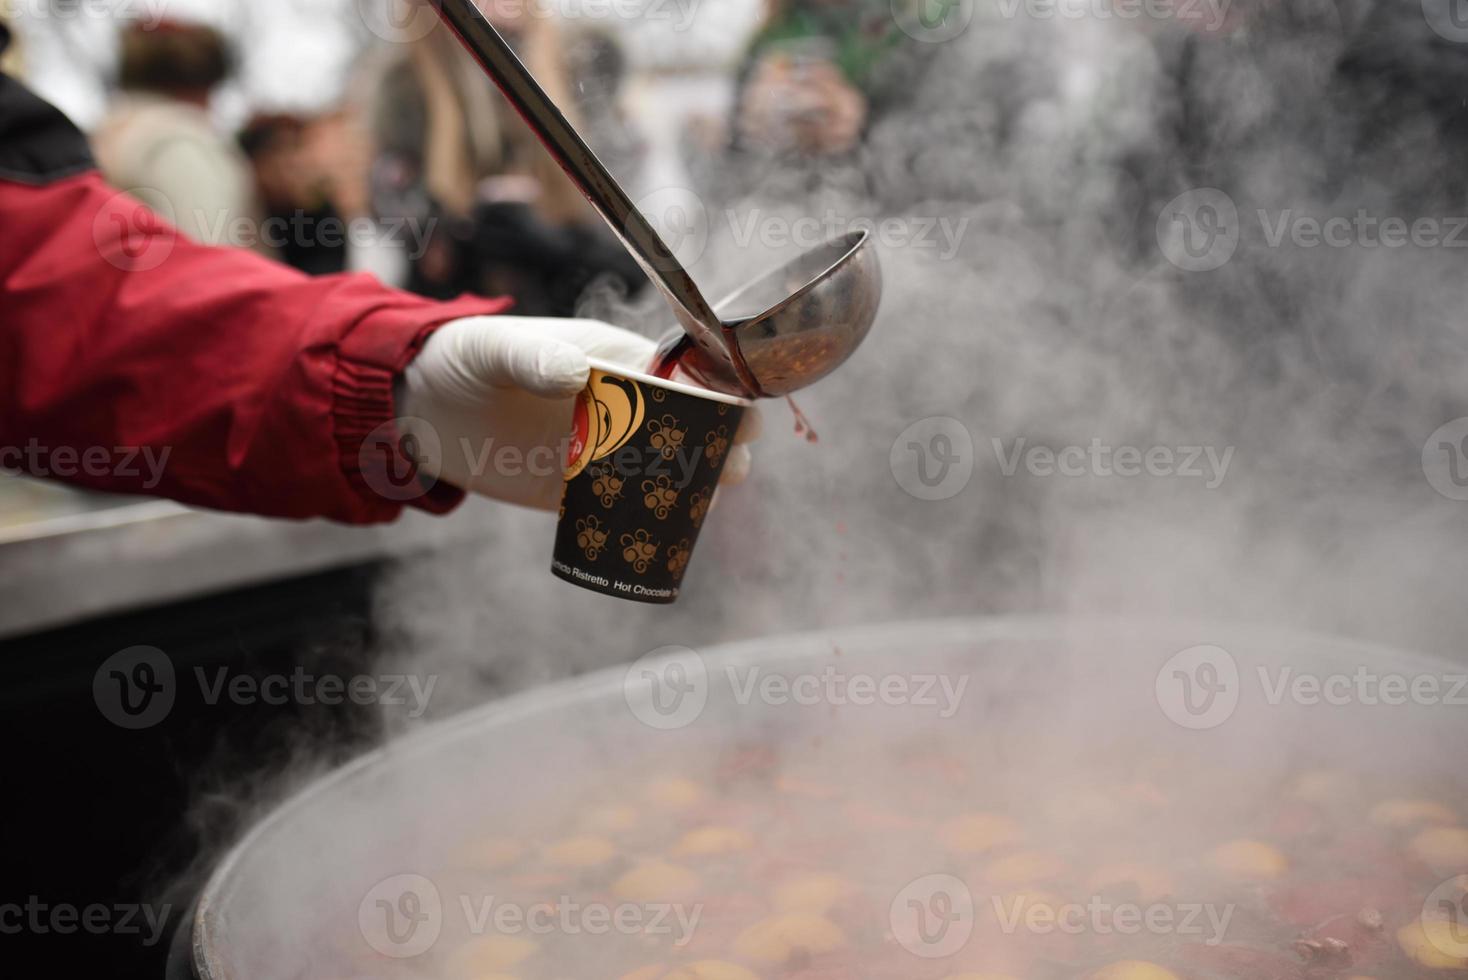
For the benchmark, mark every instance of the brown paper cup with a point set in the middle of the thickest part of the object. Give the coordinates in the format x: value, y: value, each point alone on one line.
x: 644, y: 459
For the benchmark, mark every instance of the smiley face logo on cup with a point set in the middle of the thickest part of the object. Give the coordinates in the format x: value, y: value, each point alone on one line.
x: 609, y: 412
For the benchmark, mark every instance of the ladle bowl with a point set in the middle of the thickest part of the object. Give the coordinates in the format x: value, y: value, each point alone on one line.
x: 795, y: 324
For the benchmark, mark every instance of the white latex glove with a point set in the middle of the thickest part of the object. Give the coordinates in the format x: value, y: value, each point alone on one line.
x: 488, y: 402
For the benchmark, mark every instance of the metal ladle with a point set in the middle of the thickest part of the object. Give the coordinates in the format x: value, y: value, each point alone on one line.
x: 782, y: 332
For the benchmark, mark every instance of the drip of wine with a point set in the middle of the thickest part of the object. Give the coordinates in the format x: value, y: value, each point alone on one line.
x: 802, y: 423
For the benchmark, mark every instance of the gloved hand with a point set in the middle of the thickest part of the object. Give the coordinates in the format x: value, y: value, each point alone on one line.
x: 488, y: 402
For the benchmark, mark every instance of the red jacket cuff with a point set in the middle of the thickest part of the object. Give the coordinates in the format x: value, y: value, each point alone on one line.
x: 375, y: 457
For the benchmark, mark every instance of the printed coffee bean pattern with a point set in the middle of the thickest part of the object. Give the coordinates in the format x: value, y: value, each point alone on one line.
x: 667, y: 436
x: 639, y: 550
x: 591, y: 537
x: 660, y: 496
x: 607, y: 485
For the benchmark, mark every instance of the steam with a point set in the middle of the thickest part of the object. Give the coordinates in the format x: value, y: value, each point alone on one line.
x: 1064, y: 319
x: 1061, y: 321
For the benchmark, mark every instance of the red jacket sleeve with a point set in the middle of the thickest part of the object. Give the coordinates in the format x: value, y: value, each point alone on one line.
x: 133, y: 360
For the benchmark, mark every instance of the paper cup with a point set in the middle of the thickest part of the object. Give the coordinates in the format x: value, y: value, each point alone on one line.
x: 644, y: 459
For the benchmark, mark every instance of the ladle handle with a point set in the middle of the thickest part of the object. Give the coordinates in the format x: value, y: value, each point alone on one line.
x: 552, y: 128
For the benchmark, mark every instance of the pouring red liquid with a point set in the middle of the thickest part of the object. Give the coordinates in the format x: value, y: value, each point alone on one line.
x: 670, y: 355
x: 802, y: 423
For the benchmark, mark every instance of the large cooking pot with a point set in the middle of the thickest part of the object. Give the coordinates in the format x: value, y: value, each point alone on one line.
x: 898, y: 788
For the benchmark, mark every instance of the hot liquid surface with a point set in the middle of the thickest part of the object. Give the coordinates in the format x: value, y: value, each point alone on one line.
x: 913, y: 862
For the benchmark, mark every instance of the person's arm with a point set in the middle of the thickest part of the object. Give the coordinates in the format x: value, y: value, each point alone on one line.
x: 133, y: 360
x: 211, y: 376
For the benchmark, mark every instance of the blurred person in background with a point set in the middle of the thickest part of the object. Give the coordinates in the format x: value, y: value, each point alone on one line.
x: 817, y: 74
x: 597, y: 63
x: 11, y: 61
x: 453, y: 153
x: 158, y: 142
x: 312, y: 178
x: 814, y: 82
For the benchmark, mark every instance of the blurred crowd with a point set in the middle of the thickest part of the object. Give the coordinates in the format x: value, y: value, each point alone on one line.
x: 357, y: 135
x: 353, y: 147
